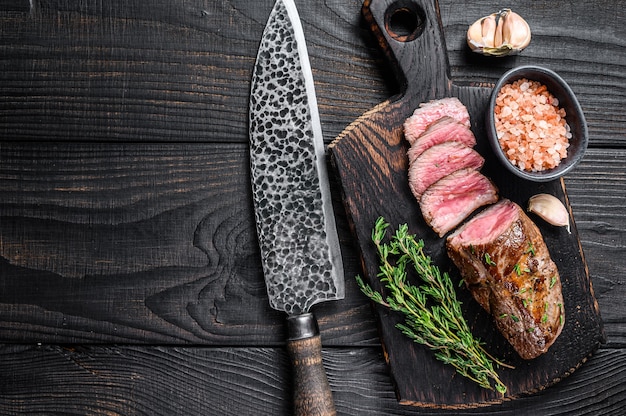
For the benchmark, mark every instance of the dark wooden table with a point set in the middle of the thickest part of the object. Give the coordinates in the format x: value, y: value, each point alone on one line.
x: 130, y: 279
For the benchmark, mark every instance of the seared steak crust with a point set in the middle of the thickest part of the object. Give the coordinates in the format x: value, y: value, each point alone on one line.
x: 507, y: 267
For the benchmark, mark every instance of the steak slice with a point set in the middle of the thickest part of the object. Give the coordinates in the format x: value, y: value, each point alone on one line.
x: 432, y: 111
x: 450, y: 200
x: 439, y: 161
x: 507, y: 267
x: 446, y: 129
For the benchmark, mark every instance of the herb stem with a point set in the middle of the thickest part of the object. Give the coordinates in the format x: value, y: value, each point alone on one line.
x: 433, y: 315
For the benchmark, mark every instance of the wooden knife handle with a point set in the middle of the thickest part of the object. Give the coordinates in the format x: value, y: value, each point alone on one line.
x: 312, y: 395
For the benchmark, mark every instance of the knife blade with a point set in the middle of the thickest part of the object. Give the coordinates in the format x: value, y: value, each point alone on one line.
x: 296, y: 229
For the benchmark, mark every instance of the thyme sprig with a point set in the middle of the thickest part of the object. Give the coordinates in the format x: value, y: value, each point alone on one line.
x: 432, y: 312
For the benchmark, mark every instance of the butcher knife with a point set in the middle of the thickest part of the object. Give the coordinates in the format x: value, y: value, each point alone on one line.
x: 296, y: 229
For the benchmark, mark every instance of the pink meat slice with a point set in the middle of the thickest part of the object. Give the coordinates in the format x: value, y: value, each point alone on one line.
x: 446, y: 129
x: 432, y: 111
x: 449, y: 201
x: 440, y: 161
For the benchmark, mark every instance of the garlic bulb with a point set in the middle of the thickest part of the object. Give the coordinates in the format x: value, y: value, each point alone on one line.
x: 499, y: 34
x: 551, y: 209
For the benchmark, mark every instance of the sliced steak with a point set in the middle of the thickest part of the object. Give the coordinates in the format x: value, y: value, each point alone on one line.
x: 446, y: 129
x: 450, y: 200
x: 432, y: 111
x: 507, y: 267
x: 439, y: 161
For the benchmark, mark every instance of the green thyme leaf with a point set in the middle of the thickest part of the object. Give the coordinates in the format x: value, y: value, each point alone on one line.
x: 488, y: 260
x: 552, y: 281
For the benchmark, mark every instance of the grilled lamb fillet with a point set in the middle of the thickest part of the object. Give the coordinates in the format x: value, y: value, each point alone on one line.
x: 439, y: 161
x: 445, y: 129
x: 507, y: 267
x: 432, y: 111
x: 450, y: 200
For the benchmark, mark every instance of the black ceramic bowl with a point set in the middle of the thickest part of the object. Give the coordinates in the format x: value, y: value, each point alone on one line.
x: 574, y: 117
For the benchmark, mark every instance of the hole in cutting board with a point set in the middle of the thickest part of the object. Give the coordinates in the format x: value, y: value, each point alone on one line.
x: 404, y: 21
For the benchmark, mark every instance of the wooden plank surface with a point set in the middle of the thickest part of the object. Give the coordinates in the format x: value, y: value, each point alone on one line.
x: 165, y: 381
x: 123, y: 125
x: 134, y: 243
x: 64, y: 262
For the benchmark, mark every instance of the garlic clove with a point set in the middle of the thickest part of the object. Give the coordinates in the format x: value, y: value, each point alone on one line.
x: 516, y: 32
x: 499, y: 34
x: 550, y: 209
x: 475, y: 31
x: 497, y: 37
x: 489, y: 27
x: 480, y: 33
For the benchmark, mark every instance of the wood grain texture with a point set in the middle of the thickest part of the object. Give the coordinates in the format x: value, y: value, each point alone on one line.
x: 137, y: 243
x: 598, y: 202
x: 126, y: 71
x: 129, y: 232
x: 167, y: 71
x: 125, y: 213
x: 174, y: 71
x: 169, y: 381
x: 66, y: 235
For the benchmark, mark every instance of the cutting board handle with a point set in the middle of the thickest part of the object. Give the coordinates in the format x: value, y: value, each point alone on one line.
x: 411, y: 35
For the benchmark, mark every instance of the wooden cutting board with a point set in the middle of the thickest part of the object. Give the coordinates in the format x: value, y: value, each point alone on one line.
x: 369, y: 159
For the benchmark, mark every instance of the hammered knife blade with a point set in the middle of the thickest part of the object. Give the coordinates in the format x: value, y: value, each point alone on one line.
x: 296, y: 229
